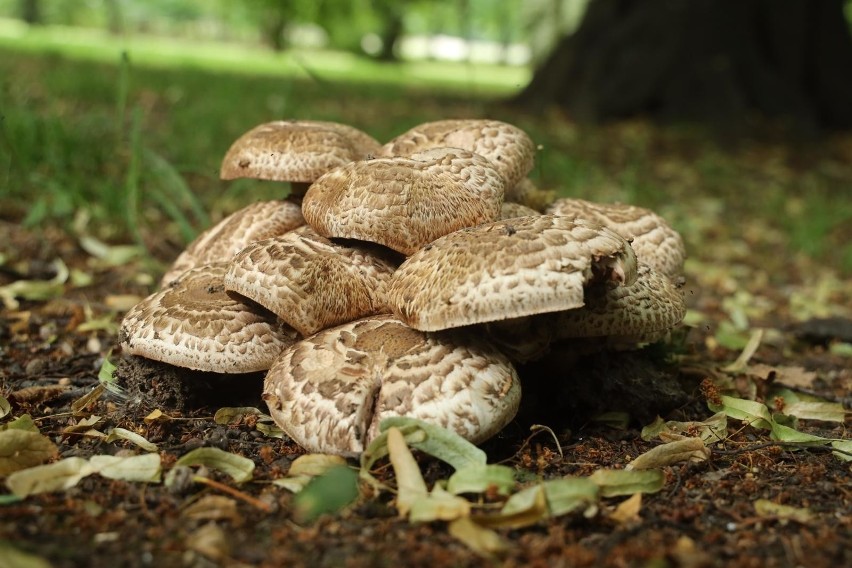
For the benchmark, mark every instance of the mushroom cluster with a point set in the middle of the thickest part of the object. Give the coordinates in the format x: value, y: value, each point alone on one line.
x: 404, y: 279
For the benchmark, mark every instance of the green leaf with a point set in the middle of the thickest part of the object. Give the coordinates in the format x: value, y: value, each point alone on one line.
x: 133, y: 437
x: 827, y: 411
x: 786, y: 434
x: 305, y: 468
x: 5, y: 407
x: 614, y: 482
x: 439, y: 442
x: 145, y: 468
x: 326, y: 494
x: 106, y: 374
x: 238, y: 467
x: 22, y: 422
x: 569, y: 493
x: 14, y: 557
x: 21, y: 449
x: 714, y: 429
x: 754, y: 413
x: 110, y: 255
x: 845, y: 447
x: 477, y: 478
x: 56, y: 476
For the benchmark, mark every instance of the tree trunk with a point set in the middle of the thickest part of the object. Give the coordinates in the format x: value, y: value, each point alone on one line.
x: 31, y: 12
x: 716, y: 61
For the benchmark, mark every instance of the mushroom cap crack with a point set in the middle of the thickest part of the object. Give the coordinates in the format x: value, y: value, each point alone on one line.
x: 329, y: 392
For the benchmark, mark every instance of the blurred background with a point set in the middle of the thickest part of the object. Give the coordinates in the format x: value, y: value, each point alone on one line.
x: 730, y: 118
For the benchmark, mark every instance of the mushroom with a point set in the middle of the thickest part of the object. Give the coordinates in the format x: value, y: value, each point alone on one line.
x: 405, y: 203
x: 330, y: 392
x: 627, y: 316
x: 506, y: 146
x: 194, y: 324
x: 257, y: 221
x: 655, y: 242
x: 310, y: 282
x: 507, y: 269
x: 526, y: 193
x: 511, y: 210
x: 297, y: 151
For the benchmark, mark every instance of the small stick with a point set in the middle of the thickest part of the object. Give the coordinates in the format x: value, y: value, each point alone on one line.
x: 233, y: 492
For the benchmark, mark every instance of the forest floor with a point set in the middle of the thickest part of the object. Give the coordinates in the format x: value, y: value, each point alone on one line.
x: 767, y: 231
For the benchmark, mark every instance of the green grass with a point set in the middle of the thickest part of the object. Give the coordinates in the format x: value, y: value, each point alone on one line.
x: 135, y: 143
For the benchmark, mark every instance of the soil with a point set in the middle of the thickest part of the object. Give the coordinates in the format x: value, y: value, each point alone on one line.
x: 704, y: 515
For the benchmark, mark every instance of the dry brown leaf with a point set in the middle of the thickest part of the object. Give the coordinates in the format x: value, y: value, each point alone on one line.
x: 688, y: 449
x: 213, y: 508
x: 210, y: 541
x: 35, y: 395
x: 628, y: 510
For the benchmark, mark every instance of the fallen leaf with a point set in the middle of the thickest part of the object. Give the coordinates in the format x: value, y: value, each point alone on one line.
x: 410, y: 484
x: 688, y: 449
x: 211, y: 541
x: 51, y: 477
x: 21, y: 449
x: 628, y: 510
x: 156, y: 415
x: 478, y: 478
x: 305, y: 468
x: 142, y: 468
x: 82, y: 425
x: 81, y: 403
x: 16, y: 558
x: 5, y: 407
x: 845, y: 447
x: 35, y: 395
x: 238, y: 467
x: 524, y: 508
x: 438, y: 505
x: 794, y: 377
x: 747, y: 352
x: 767, y: 508
x: 229, y: 414
x: 22, y: 422
x: 568, y: 494
x: 439, y: 442
x: 827, y: 411
x: 481, y: 540
x: 213, y: 508
x: 133, y: 437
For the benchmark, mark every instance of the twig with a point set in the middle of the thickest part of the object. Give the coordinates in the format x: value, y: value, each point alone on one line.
x: 233, y: 492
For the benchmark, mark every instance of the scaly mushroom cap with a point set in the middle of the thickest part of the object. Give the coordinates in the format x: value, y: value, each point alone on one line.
x: 310, y: 282
x: 405, y: 203
x: 330, y: 391
x: 295, y: 150
x: 655, y: 242
x: 647, y: 309
x: 511, y: 210
x: 507, y: 269
x: 232, y: 234
x: 508, y: 147
x: 194, y: 324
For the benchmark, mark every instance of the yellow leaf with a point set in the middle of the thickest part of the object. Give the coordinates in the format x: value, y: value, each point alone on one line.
x: 480, y: 539
x: 409, y: 480
x: 628, y: 510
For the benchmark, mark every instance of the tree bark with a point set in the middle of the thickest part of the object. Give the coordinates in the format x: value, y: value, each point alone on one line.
x: 703, y: 60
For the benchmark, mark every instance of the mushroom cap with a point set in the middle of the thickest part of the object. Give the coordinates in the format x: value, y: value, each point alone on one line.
x: 508, y: 147
x: 649, y: 307
x: 329, y: 392
x: 194, y: 324
x: 507, y: 269
x: 511, y: 210
x: 254, y: 222
x: 405, y: 203
x: 654, y: 241
x: 526, y: 193
x: 295, y: 150
x: 310, y: 282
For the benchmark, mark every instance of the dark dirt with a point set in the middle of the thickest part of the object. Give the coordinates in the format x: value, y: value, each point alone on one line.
x: 704, y: 516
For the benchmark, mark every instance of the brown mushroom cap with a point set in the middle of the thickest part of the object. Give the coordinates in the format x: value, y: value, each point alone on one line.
x: 295, y: 150
x: 310, y: 282
x: 649, y: 307
x: 330, y: 391
x: 194, y: 324
x: 507, y: 147
x: 507, y: 269
x: 655, y: 242
x: 257, y: 221
x: 511, y: 210
x: 405, y: 203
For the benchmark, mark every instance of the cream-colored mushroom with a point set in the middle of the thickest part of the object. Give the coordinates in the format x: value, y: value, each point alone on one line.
x: 330, y: 391
x: 310, y: 282
x: 405, y: 203
x: 194, y: 324
x: 297, y: 151
x: 507, y: 269
x: 221, y: 242
x: 509, y: 148
x: 655, y: 242
x: 643, y: 312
